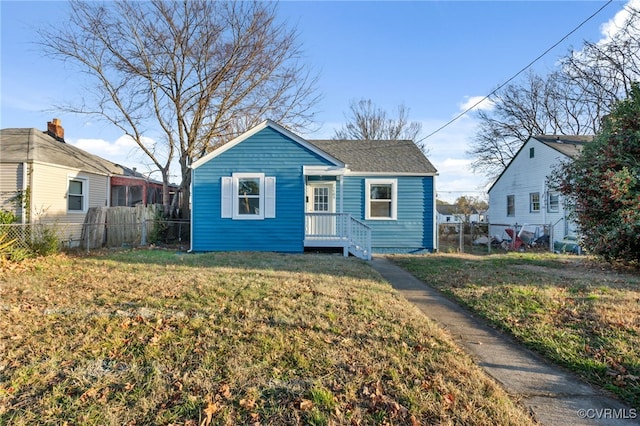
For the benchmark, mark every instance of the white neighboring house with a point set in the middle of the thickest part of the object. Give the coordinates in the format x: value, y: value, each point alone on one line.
x: 521, y: 194
x: 447, y: 214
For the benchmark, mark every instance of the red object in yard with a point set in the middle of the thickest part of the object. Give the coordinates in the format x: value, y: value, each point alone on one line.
x: 516, y: 242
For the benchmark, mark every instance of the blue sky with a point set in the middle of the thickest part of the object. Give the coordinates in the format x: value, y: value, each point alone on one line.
x: 433, y: 56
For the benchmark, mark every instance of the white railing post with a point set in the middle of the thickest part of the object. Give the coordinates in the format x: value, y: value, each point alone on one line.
x: 341, y: 228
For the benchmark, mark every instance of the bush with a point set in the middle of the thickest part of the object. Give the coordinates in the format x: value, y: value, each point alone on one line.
x: 7, y: 217
x: 603, y: 185
x: 45, y: 241
x: 159, y: 228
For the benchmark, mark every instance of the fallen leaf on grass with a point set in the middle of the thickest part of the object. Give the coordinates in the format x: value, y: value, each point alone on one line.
x: 249, y: 404
x: 225, y: 391
x: 212, y: 408
x: 305, y: 405
x: 89, y: 394
x: 449, y: 398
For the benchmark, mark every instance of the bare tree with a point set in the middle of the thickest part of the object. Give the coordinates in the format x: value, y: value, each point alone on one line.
x: 569, y: 101
x: 518, y: 112
x: 195, y: 72
x: 537, y: 105
x: 367, y: 121
x: 605, y: 71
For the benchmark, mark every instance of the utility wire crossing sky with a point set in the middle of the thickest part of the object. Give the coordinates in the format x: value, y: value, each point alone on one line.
x: 438, y: 58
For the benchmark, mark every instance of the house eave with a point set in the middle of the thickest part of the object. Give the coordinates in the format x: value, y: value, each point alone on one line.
x: 324, y: 170
x: 70, y: 168
x: 352, y: 173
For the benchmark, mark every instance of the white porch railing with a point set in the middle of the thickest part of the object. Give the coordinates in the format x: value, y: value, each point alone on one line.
x: 338, y: 230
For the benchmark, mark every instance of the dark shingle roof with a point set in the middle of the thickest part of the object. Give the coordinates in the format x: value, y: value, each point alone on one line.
x: 18, y: 145
x: 570, y: 146
x: 388, y: 156
x: 449, y: 209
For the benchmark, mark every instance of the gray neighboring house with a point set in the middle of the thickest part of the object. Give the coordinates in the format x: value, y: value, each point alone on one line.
x: 59, y: 181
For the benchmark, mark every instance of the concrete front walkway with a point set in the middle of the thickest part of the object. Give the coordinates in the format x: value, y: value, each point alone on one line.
x: 553, y: 395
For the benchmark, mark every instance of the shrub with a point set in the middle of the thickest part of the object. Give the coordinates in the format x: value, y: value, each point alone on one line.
x: 159, y: 228
x: 45, y: 241
x: 603, y: 185
x: 7, y: 217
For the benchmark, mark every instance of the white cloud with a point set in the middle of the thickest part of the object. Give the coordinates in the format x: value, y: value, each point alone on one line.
x: 124, y: 150
x: 476, y: 103
x: 106, y: 149
x: 611, y: 27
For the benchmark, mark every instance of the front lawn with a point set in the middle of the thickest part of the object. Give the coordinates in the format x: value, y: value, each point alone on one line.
x: 577, y: 312
x: 160, y: 337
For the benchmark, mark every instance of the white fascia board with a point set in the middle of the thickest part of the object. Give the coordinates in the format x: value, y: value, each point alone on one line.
x: 258, y: 128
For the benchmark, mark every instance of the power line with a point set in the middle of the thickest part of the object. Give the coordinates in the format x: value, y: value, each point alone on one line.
x: 463, y: 113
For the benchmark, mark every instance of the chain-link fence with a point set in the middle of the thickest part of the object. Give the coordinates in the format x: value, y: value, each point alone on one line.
x: 485, y: 238
x: 18, y: 241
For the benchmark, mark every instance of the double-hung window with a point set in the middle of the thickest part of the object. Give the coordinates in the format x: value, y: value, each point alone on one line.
x: 247, y: 196
x: 381, y: 199
x: 511, y: 205
x: 553, y: 202
x: 77, y: 195
x: 534, y: 202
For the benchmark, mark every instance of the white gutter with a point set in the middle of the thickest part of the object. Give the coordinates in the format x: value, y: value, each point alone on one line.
x: 25, y: 185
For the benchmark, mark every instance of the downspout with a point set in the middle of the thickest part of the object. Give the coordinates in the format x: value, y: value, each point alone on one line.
x: 25, y: 185
x: 191, y: 211
x: 543, y: 205
x: 27, y: 181
x: 108, y: 200
x: 341, y: 180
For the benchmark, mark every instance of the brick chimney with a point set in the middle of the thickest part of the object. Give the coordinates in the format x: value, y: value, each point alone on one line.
x: 54, y: 128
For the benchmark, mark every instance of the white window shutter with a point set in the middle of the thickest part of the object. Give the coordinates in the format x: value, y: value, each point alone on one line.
x: 269, y: 197
x: 226, y: 203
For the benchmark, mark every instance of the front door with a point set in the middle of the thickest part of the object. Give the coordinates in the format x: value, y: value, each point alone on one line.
x: 321, y: 199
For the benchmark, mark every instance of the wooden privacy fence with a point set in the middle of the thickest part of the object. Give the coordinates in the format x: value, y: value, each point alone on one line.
x: 118, y: 226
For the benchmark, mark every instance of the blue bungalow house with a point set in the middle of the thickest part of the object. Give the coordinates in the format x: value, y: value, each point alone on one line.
x: 271, y: 190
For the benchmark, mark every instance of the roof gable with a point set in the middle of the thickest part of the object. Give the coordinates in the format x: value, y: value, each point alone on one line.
x: 278, y: 128
x: 30, y: 144
x: 379, y: 156
x: 571, y: 146
x: 568, y: 145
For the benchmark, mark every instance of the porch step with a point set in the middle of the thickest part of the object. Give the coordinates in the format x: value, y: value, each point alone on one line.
x: 359, y: 252
x: 338, y: 230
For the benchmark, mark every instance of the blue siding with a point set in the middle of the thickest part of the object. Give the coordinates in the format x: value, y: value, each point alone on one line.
x: 268, y: 152
x: 413, y: 229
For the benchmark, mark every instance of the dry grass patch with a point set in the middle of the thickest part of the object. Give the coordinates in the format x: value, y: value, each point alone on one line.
x: 579, y: 313
x: 158, y: 337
